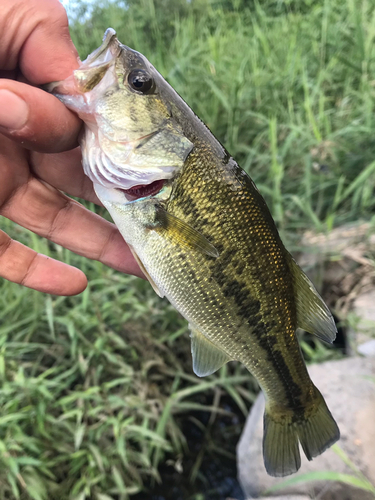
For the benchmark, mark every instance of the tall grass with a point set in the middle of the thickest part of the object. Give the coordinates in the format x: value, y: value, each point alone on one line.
x: 93, y: 387
x: 288, y: 88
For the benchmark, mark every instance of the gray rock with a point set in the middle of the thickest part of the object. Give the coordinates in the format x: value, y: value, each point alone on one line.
x: 350, y: 394
x: 288, y: 497
x: 363, y: 307
x: 367, y: 348
x: 362, y: 338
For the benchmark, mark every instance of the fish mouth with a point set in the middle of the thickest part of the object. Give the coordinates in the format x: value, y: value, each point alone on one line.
x: 107, y: 51
x: 143, y: 190
x: 90, y: 72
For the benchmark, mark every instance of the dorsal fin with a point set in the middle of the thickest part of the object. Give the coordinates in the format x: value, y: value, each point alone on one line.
x: 312, y: 313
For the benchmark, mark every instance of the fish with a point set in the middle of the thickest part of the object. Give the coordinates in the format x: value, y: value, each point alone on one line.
x: 204, y: 237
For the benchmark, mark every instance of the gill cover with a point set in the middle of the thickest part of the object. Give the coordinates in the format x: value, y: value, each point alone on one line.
x: 130, y: 136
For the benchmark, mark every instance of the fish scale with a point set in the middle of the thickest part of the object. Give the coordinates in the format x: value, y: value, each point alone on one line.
x: 253, y: 230
x: 206, y: 240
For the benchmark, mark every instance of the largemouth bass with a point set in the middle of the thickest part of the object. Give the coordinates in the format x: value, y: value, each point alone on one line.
x: 203, y: 235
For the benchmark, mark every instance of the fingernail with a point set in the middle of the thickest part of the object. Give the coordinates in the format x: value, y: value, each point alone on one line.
x: 13, y: 110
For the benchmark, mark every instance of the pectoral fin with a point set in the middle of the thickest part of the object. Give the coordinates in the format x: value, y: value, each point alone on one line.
x: 312, y: 313
x: 144, y: 271
x: 183, y: 233
x: 207, y: 358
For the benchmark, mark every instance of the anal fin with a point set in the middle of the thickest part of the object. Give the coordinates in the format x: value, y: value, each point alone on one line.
x: 207, y: 358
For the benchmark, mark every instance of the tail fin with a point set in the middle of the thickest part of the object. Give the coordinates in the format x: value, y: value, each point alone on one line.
x: 315, y: 429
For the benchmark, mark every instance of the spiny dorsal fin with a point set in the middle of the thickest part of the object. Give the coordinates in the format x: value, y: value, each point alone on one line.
x: 207, y: 358
x: 183, y: 232
x: 312, y: 313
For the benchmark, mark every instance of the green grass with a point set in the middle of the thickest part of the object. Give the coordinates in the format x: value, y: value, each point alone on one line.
x: 288, y: 87
x: 94, y: 388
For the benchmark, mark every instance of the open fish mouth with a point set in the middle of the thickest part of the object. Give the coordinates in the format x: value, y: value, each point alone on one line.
x: 108, y: 50
x: 101, y: 59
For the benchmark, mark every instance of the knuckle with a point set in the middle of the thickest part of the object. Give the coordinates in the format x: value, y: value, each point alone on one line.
x: 52, y: 10
x: 112, y: 236
x: 27, y: 271
x: 5, y: 242
x: 17, y: 262
x: 59, y: 219
x: 56, y: 17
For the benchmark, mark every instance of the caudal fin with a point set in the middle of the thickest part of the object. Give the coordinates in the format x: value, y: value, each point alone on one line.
x: 315, y: 429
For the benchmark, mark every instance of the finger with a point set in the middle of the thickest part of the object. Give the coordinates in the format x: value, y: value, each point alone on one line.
x: 36, y: 119
x: 64, y: 171
x: 26, y: 267
x: 49, y: 213
x: 35, y: 37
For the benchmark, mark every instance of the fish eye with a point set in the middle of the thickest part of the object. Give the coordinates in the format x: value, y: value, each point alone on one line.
x: 140, y: 81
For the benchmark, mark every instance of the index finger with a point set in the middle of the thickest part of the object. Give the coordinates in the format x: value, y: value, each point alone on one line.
x: 40, y: 45
x: 36, y: 40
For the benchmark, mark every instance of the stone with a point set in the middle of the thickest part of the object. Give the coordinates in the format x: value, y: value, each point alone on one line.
x: 288, y: 497
x: 367, y: 348
x: 362, y: 337
x: 348, y: 386
x: 363, y: 307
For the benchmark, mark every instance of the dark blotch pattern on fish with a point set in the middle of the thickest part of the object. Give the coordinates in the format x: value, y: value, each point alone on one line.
x: 249, y: 310
x: 242, y: 270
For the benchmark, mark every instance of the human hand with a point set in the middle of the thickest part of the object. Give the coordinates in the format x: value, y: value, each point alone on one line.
x: 36, y: 49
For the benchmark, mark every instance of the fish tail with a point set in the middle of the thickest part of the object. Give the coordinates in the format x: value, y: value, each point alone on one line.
x: 314, y: 428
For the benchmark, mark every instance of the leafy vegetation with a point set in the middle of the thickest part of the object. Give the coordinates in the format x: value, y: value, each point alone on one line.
x: 294, y: 105
x: 94, y: 388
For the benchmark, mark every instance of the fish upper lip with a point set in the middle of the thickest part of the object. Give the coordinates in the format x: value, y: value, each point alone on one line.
x: 107, y: 44
x: 109, y: 47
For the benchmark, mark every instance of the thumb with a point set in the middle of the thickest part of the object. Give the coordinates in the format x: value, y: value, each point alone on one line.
x: 35, y: 119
